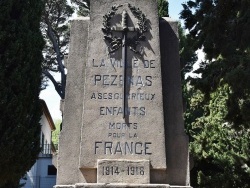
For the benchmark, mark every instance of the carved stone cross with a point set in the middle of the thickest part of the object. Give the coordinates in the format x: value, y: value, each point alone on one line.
x: 124, y: 42
x: 124, y: 29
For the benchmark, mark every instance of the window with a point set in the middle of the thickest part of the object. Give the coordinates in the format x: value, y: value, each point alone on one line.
x: 52, y: 170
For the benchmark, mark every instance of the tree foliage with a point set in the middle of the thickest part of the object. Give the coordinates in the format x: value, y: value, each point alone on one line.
x: 217, y: 116
x: 188, y: 56
x: 221, y: 29
x: 82, y: 7
x: 21, y: 46
x: 163, y: 8
x: 55, y: 29
x: 56, y: 133
x: 221, y: 153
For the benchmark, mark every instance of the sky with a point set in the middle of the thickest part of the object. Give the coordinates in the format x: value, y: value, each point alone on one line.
x: 175, y: 8
x: 50, y: 95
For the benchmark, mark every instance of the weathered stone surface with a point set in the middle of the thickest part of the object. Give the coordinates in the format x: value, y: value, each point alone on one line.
x: 120, y: 171
x: 70, y: 136
x: 177, y: 156
x: 120, y: 185
x: 105, y: 133
x: 95, y: 132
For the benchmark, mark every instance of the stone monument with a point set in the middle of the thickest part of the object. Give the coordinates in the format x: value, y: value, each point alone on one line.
x: 123, y: 124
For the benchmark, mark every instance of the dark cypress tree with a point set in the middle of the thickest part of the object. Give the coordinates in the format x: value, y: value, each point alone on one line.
x: 21, y: 46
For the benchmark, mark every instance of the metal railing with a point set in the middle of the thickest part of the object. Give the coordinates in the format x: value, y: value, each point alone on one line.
x: 46, y: 149
x: 49, y: 148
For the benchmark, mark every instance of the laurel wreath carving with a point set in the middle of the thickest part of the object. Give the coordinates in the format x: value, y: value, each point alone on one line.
x: 116, y: 42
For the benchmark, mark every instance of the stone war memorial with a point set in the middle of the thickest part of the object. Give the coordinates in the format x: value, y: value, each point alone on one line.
x: 123, y: 115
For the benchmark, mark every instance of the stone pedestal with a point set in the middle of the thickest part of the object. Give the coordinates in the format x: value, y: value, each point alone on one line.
x: 123, y: 124
x: 121, y: 185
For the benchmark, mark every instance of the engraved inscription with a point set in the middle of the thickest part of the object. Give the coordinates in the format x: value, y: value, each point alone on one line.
x: 123, y: 126
x: 118, y: 96
x: 118, y: 64
x: 117, y: 80
x: 121, y: 135
x: 122, y: 115
x: 122, y: 148
x: 117, y: 170
x: 135, y: 170
x: 130, y: 170
x: 130, y: 111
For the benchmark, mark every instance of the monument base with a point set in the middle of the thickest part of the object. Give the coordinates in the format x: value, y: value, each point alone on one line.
x: 119, y: 185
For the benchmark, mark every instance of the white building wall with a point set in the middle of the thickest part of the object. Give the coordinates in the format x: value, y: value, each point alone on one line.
x: 46, y: 130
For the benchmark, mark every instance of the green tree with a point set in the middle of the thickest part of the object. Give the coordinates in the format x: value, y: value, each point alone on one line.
x: 221, y: 153
x: 163, y: 8
x: 21, y: 46
x: 55, y: 29
x: 217, y: 116
x: 56, y: 133
x: 221, y: 29
x: 188, y: 56
x: 82, y: 6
